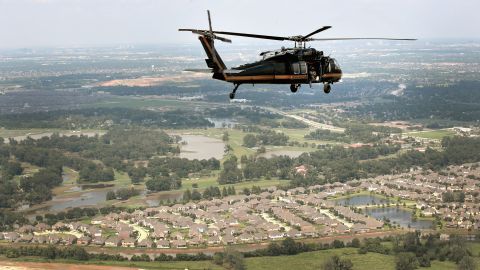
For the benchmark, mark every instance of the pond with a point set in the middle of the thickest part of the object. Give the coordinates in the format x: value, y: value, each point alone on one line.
x: 362, y: 200
x: 91, y: 198
x: 201, y: 147
x: 396, y: 215
x: 153, y: 201
x: 399, y: 216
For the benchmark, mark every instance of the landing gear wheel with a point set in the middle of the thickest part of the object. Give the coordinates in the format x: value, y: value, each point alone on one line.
x: 294, y: 87
x: 232, y: 94
x: 326, y: 88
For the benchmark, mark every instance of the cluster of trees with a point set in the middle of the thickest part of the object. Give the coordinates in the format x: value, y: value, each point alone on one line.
x: 162, y: 183
x: 265, y: 137
x: 208, y: 193
x: 117, y: 145
x: 92, y: 173
x: 230, y: 259
x: 77, y: 213
x: 354, y: 132
x: 337, y: 263
x: 28, y: 151
x: 453, y: 196
x: 180, y: 166
x: 9, y: 219
x: 453, y: 102
x: 337, y: 164
x: 38, y: 187
x: 104, y: 117
x: 122, y: 194
x: 230, y: 173
x: 77, y: 253
x: 411, y: 252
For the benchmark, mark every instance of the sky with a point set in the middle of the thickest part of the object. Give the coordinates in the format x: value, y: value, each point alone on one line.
x: 70, y: 23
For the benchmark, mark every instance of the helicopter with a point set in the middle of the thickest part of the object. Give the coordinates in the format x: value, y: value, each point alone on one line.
x: 295, y: 66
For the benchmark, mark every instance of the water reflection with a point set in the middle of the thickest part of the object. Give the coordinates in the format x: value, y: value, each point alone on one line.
x: 399, y: 216
x: 362, y: 200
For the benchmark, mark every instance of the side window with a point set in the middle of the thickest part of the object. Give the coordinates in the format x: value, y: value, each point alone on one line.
x: 299, y: 67
x: 303, y: 67
x: 296, y: 68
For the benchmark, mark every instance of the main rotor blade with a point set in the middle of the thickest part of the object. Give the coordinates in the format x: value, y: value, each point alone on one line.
x: 251, y: 35
x: 317, y: 31
x: 209, y: 21
x: 327, y: 39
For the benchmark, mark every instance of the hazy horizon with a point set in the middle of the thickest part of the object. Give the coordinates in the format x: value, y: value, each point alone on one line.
x: 72, y: 23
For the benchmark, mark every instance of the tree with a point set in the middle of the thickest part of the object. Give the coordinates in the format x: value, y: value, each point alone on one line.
x: 187, y: 195
x: 335, y: 263
x: 137, y: 174
x: 196, y: 196
x: 225, y: 136
x: 249, y: 140
x: 111, y: 195
x: 467, y: 263
x: 355, y: 243
x: 233, y: 259
x: 406, y: 261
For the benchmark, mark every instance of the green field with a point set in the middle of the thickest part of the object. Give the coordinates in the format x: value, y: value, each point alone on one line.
x: 305, y: 261
x: 433, y: 134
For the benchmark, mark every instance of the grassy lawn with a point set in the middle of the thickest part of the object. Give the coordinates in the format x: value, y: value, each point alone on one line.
x: 298, y: 135
x: 305, y: 261
x: 194, y: 265
x: 314, y: 260
x: 434, y: 134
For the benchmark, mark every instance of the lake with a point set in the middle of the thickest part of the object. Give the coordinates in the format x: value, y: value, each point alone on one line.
x: 399, y: 216
x: 357, y: 200
x: 396, y: 215
x: 91, y: 198
x: 201, y: 147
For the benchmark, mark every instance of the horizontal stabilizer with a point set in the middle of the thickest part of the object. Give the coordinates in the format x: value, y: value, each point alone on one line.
x: 199, y: 70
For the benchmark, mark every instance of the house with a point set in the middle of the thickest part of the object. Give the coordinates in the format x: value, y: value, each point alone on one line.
x: 444, y: 237
x: 69, y: 240
x: 60, y: 226
x: 84, y: 240
x: 145, y: 243
x: 11, y: 236
x: 294, y: 233
x: 228, y: 240
x: 39, y: 239
x: 26, y: 229
x: 214, y: 240
x: 113, y: 241
x: 53, y: 239
x: 246, y: 238
x: 98, y: 241
x: 95, y: 232
x: 26, y: 238
x: 41, y: 227
x: 97, y: 220
x: 179, y: 244
x: 163, y: 243
x: 129, y: 242
x: 275, y: 235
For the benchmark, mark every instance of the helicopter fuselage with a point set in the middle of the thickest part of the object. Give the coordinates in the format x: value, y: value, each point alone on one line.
x: 286, y: 66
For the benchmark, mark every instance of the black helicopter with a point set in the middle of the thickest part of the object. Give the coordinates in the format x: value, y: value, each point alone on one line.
x: 295, y: 66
